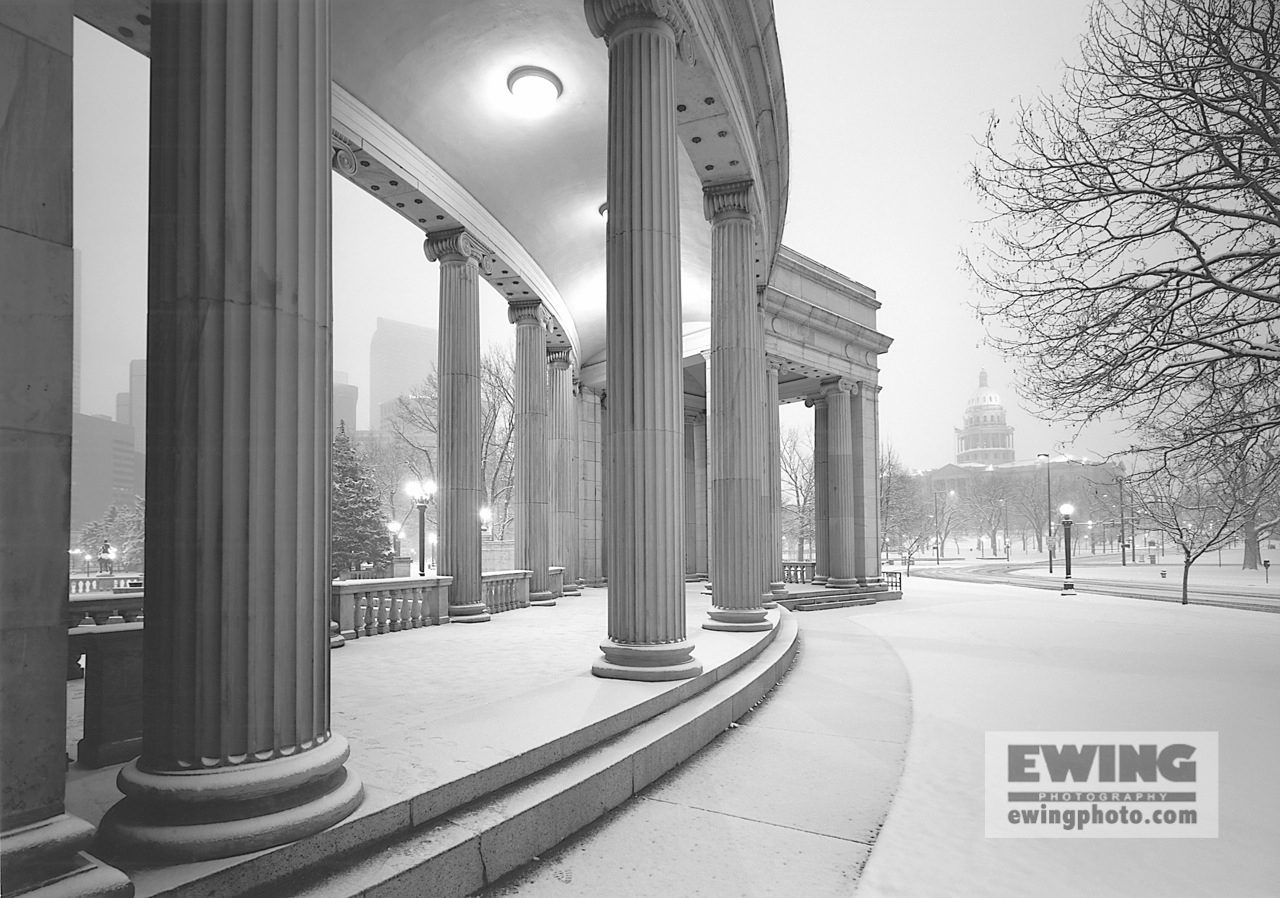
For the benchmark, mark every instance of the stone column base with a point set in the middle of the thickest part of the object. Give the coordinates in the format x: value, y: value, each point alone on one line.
x: 819, y: 580
x: 647, y: 662
x: 842, y: 582
x: 778, y: 588
x: 542, y: 599
x: 571, y: 589
x: 196, y: 815
x: 476, y: 613
x: 736, y: 619
x: 46, y: 860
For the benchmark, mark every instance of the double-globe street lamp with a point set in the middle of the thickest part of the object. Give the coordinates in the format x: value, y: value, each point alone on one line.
x: 1068, y: 588
x: 421, y: 492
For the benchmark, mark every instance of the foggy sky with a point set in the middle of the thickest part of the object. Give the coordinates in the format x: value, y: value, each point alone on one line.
x: 884, y: 102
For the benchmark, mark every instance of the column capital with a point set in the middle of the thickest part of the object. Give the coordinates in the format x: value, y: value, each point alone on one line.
x: 606, y: 18
x: 819, y: 401
x: 456, y: 245
x: 721, y: 202
x: 773, y: 363
x: 527, y: 312
x: 695, y: 417
x: 559, y: 359
x: 833, y: 385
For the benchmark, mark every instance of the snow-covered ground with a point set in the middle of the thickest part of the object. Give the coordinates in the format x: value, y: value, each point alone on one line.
x: 1207, y: 571
x: 990, y: 658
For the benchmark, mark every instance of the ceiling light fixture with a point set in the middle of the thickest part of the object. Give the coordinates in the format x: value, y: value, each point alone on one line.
x: 535, y: 89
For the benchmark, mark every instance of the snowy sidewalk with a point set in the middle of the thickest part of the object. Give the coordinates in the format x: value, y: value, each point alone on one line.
x: 988, y: 658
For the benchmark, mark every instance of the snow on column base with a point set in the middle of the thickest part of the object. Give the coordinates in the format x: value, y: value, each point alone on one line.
x: 475, y: 613
x: 736, y: 619
x: 196, y: 815
x: 647, y: 662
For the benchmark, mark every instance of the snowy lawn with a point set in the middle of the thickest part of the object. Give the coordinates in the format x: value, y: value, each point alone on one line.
x: 989, y: 658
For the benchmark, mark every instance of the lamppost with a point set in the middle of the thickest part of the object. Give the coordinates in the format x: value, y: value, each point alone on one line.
x: 1068, y: 588
x: 393, y: 527
x: 1048, y: 488
x: 421, y: 492
x: 1093, y: 545
x: 486, y: 515
x: 1120, y: 483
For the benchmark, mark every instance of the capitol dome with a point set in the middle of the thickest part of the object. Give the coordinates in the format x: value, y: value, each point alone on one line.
x: 986, y: 438
x: 984, y: 395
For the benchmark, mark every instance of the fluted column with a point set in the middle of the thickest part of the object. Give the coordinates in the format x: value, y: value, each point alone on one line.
x: 867, y: 490
x: 690, y: 501
x: 564, y: 518
x: 237, y: 754
x: 461, y: 493
x: 590, y: 497
x: 532, y: 509
x: 773, y: 455
x: 821, y: 489
x: 736, y: 429
x: 699, y: 486
x: 647, y: 638
x: 40, y: 845
x: 841, y: 485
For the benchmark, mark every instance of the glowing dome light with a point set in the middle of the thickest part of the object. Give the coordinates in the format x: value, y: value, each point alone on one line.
x: 1067, y: 508
x: 535, y: 89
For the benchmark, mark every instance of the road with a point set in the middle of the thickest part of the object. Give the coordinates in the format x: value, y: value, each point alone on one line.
x: 1004, y: 573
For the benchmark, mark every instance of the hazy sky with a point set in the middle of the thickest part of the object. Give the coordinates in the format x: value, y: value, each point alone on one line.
x: 884, y: 101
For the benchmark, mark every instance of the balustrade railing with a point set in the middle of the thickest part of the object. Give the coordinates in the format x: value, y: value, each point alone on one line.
x: 105, y: 583
x: 798, y: 571
x: 555, y: 579
x: 505, y: 590
x: 893, y: 579
x: 99, y: 610
x: 374, y: 607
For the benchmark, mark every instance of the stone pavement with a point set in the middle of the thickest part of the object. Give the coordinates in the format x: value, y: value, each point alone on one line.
x: 787, y: 803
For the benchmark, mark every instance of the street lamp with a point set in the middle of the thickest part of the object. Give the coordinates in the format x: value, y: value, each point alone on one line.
x: 1004, y: 516
x: 1120, y: 483
x: 393, y: 527
x: 1048, y: 488
x: 486, y: 515
x: 421, y: 492
x: 1068, y: 588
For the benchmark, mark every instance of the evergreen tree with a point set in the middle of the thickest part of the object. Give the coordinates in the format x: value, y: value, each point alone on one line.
x: 358, y: 532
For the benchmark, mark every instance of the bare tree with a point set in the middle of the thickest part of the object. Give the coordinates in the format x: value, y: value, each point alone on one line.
x: 415, y: 421
x: 1135, y: 241
x: 1202, y: 500
x: 796, y: 463
x: 987, y: 504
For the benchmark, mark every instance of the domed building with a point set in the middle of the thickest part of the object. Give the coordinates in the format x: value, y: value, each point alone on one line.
x: 986, y: 438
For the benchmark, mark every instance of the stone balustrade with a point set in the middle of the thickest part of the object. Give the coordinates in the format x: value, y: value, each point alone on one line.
x: 556, y: 580
x: 99, y: 609
x: 505, y: 590
x: 105, y: 583
x: 798, y: 571
x: 375, y: 607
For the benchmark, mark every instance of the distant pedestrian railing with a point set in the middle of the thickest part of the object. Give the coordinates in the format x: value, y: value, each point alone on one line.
x: 798, y: 571
x: 505, y: 590
x: 374, y: 607
x: 893, y: 579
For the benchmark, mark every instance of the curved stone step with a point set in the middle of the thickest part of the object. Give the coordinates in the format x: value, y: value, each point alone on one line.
x: 465, y: 849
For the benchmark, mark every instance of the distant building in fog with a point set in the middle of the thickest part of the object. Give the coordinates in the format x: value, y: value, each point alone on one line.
x: 106, y: 470
x: 401, y: 355
x: 986, y: 438
x: 346, y: 397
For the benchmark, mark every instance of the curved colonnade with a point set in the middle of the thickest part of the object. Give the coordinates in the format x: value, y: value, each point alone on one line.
x: 237, y: 752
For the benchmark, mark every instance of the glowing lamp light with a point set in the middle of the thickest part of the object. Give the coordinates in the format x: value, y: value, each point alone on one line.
x: 393, y: 526
x: 1067, y: 509
x: 535, y: 89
